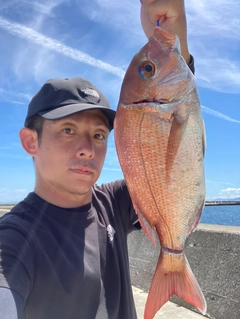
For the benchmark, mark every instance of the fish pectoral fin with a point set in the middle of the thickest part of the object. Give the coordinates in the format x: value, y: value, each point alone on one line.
x: 148, y: 230
x: 173, y: 275
x: 177, y: 130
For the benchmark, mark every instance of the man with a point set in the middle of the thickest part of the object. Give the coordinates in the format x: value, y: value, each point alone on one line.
x: 63, y: 250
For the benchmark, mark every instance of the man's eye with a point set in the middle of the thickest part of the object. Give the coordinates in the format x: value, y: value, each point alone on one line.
x: 68, y: 130
x: 99, y: 136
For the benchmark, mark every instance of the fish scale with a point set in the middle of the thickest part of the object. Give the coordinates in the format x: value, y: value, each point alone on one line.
x: 159, y: 137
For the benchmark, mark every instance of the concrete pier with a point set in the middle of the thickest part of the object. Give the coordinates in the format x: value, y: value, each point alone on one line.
x: 169, y: 311
x: 4, y: 209
x: 214, y: 255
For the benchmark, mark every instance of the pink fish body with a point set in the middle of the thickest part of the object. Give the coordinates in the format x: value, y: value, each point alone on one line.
x: 159, y: 135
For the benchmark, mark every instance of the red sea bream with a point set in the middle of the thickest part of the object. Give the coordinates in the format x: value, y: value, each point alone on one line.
x: 159, y: 135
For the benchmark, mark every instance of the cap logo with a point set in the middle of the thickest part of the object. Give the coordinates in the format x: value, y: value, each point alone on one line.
x: 90, y: 92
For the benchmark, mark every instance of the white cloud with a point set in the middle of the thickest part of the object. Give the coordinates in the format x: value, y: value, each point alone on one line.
x: 33, y: 36
x: 230, y: 193
x: 217, y: 73
x: 216, y: 17
x: 8, y: 96
x: 46, y: 7
x: 210, y: 27
x: 214, y: 40
x: 123, y: 15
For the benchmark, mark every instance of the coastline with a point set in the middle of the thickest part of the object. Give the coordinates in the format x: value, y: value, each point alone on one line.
x: 217, y: 203
x: 207, y: 203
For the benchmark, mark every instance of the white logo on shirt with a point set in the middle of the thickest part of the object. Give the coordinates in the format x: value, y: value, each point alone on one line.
x: 110, y: 232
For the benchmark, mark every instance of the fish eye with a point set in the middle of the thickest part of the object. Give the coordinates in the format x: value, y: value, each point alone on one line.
x: 147, y: 69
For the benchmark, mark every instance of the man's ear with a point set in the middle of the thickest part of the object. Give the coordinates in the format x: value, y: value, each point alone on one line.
x: 29, y: 140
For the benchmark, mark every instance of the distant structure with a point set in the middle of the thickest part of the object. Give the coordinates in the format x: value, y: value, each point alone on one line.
x: 217, y: 202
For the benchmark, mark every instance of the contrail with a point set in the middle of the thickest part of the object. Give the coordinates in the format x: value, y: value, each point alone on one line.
x: 29, y: 34
x: 218, y: 114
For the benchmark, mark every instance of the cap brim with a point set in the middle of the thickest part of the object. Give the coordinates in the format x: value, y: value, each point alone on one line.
x: 69, y: 109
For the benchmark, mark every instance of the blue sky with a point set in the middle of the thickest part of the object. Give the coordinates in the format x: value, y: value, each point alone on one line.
x: 97, y: 39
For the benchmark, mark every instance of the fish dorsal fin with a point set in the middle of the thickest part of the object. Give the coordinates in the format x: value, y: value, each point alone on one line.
x: 148, y: 230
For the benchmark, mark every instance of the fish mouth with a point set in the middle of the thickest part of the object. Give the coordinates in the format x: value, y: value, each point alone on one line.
x: 162, y: 101
x: 161, y: 104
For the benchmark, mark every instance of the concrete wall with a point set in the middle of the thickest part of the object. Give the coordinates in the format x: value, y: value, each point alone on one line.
x: 214, y: 255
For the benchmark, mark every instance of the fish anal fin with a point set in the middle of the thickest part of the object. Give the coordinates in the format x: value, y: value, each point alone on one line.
x: 177, y: 130
x: 173, y: 275
x: 148, y: 230
x: 197, y: 219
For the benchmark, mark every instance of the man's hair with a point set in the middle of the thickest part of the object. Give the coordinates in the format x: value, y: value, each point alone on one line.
x: 35, y: 123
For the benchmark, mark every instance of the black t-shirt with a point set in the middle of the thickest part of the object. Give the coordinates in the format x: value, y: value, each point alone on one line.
x: 70, y: 263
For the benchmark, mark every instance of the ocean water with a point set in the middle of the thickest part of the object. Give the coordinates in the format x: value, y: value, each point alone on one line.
x: 221, y: 215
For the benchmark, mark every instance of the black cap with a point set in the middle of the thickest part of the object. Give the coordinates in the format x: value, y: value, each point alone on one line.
x: 59, y: 98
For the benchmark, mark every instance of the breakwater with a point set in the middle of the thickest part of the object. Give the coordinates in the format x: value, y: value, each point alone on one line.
x: 218, y: 203
x: 214, y: 255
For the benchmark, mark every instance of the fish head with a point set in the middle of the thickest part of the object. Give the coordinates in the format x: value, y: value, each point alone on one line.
x: 157, y: 73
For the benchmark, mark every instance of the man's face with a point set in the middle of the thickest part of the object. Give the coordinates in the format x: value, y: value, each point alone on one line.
x: 70, y: 156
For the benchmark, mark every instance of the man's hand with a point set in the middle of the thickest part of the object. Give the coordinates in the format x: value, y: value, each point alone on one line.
x: 172, y: 18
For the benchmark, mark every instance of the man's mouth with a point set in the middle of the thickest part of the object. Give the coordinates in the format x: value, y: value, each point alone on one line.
x: 82, y: 170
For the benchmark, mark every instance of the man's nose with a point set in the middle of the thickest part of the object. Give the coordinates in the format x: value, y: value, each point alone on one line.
x: 86, y: 147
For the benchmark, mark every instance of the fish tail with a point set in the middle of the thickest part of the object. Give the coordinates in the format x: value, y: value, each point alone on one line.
x: 173, y: 275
